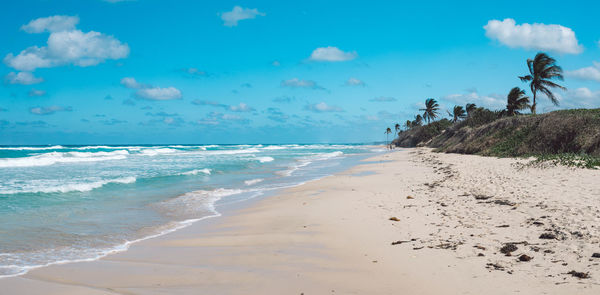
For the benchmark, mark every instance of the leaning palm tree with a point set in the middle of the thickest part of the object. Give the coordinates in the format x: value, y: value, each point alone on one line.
x: 470, y: 107
x: 516, y: 101
x: 457, y: 113
x: 387, y: 133
x: 418, y: 121
x: 543, y: 69
x: 430, y: 112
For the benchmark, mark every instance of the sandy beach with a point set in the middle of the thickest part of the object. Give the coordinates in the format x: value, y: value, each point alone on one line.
x: 406, y: 222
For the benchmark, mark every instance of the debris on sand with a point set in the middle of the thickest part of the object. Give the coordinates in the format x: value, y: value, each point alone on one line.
x: 481, y: 197
x: 596, y: 255
x: 394, y: 219
x: 508, y: 248
x: 402, y: 242
x: 548, y: 236
x: 504, y: 203
x: 450, y: 246
x: 494, y: 266
x: 410, y: 197
x: 579, y: 275
x: 479, y: 247
x: 525, y: 258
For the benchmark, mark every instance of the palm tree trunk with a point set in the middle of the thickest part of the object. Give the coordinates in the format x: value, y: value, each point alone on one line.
x: 534, y: 104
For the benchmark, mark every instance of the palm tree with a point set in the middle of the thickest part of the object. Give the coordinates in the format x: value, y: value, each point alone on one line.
x: 408, y: 124
x: 542, y: 69
x: 397, y: 128
x: 387, y: 133
x: 430, y: 112
x: 418, y: 121
x: 516, y: 101
x: 457, y: 113
x: 470, y: 107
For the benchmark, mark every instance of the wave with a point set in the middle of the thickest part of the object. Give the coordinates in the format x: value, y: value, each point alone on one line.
x: 275, y: 147
x: 93, y: 254
x: 309, y: 160
x: 253, y: 181
x: 196, y: 171
x: 294, y: 168
x: 197, y: 147
x: 198, y: 205
x: 232, y: 152
x: 59, y: 157
x: 70, y: 187
x: 194, y: 204
x: 32, y: 148
x: 265, y: 159
x: 327, y: 156
x: 108, y: 147
x: 158, y: 151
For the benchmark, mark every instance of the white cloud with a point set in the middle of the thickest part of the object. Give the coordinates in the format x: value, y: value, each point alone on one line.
x: 51, y: 24
x: 587, y: 73
x: 322, y: 108
x: 66, y: 45
x: 157, y: 93
x: 242, y: 107
x: 49, y: 110
x: 355, y: 82
x: 150, y: 92
x: 490, y: 101
x: 579, y: 98
x: 332, y: 54
x: 214, y: 118
x: 382, y: 99
x: 298, y: 83
x: 35, y: 92
x: 130, y: 82
x: 533, y: 36
x: 231, y: 18
x: 23, y: 78
x: 584, y: 93
x: 194, y: 72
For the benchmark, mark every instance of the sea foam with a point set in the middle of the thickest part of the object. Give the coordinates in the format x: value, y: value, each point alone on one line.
x: 59, y: 157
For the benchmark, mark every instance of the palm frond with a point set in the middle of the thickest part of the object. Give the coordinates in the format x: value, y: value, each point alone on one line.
x: 526, y: 78
x: 552, y: 84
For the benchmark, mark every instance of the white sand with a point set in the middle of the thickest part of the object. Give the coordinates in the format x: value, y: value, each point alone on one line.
x: 333, y: 236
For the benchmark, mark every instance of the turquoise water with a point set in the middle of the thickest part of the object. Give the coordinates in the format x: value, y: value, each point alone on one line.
x: 74, y: 203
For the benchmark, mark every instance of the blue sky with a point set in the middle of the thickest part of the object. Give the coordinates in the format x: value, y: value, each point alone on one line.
x: 157, y: 71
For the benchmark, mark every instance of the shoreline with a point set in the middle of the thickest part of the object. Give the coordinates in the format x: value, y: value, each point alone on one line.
x: 222, y: 204
x: 335, y: 234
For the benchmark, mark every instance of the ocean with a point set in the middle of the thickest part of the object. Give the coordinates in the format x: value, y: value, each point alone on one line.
x: 63, y: 204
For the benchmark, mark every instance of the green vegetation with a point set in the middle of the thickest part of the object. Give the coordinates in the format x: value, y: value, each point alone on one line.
x: 569, y: 160
x: 564, y: 137
x: 509, y: 142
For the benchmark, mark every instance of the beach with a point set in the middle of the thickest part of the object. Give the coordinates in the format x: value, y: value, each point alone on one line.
x: 409, y: 221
